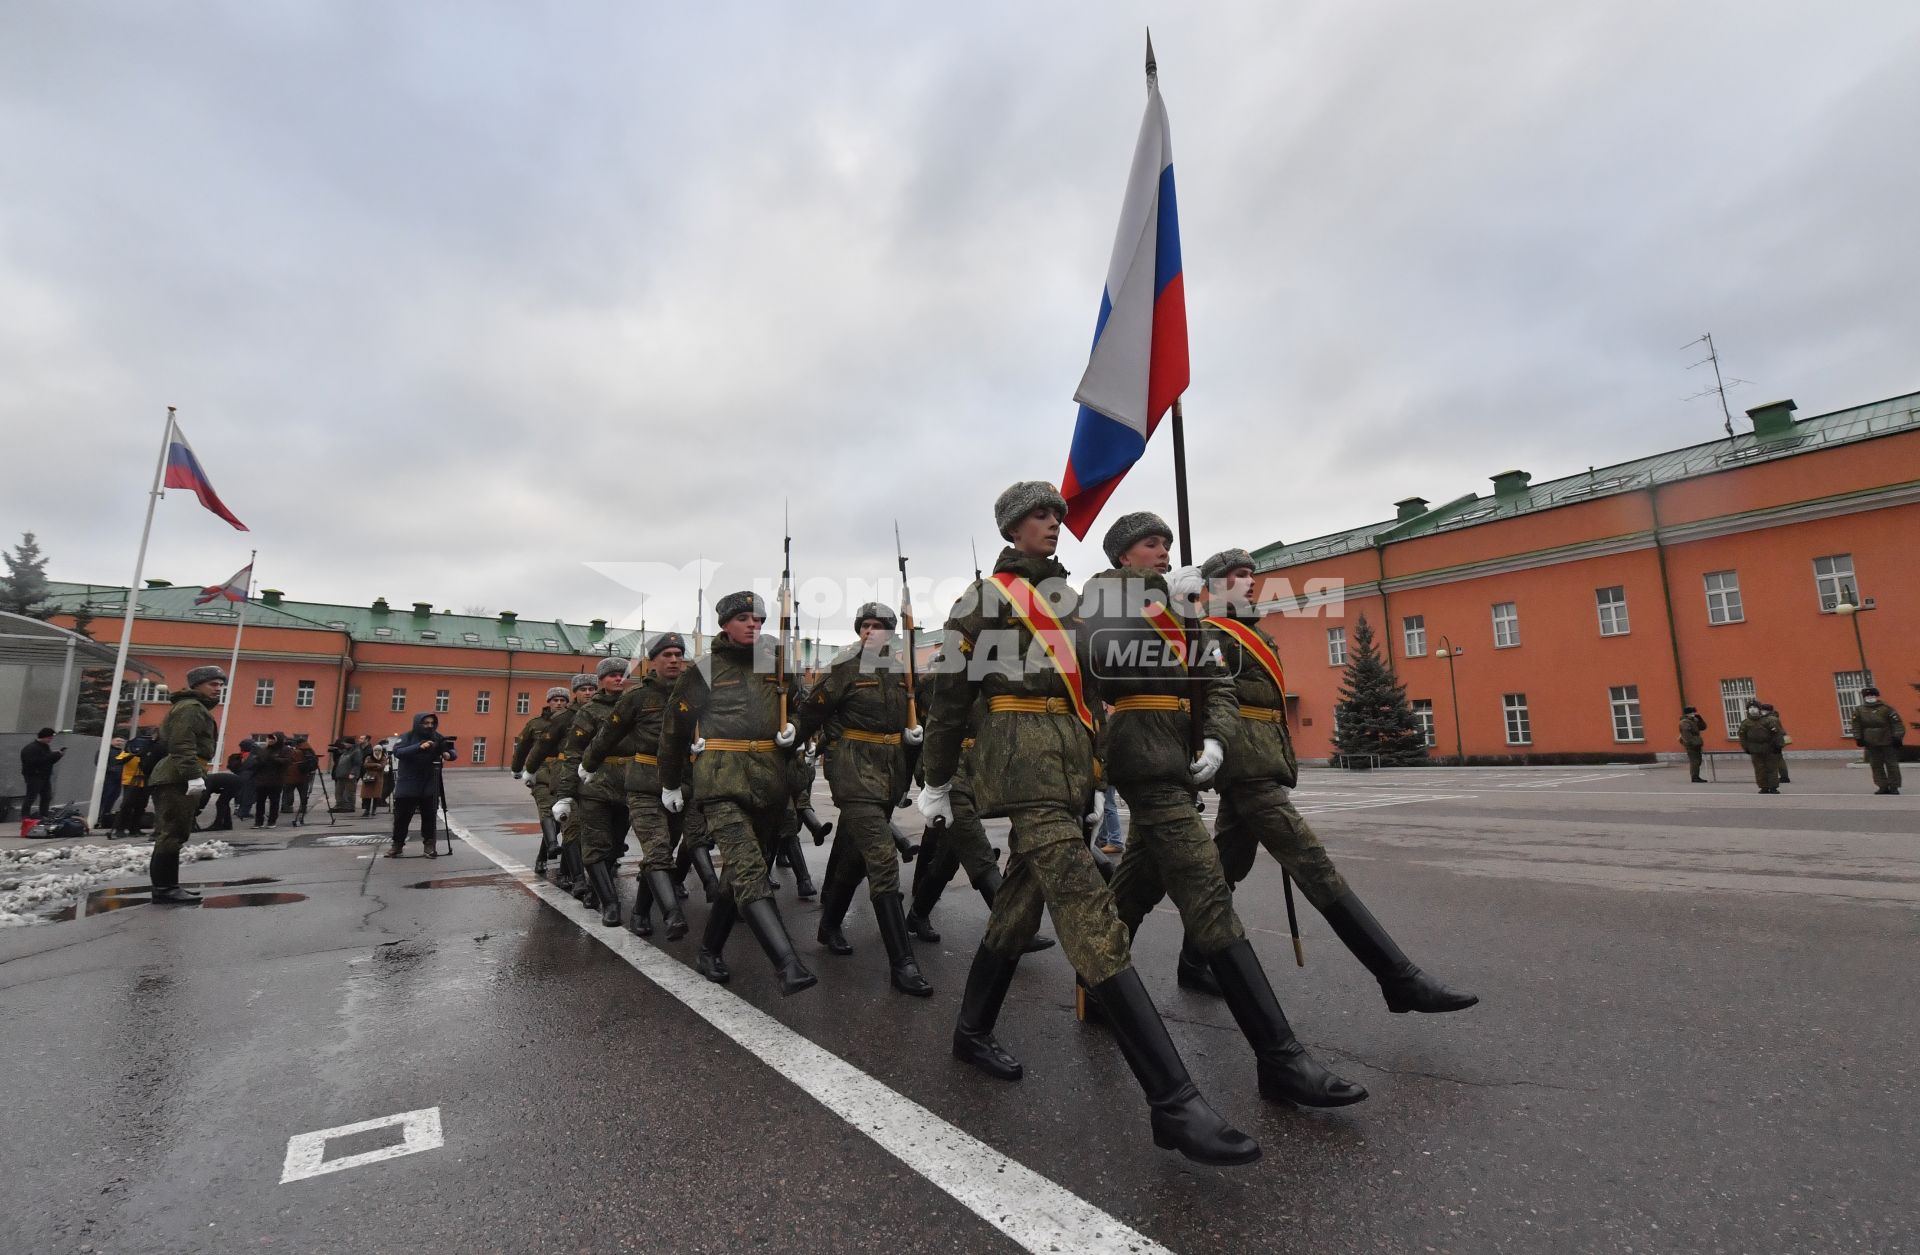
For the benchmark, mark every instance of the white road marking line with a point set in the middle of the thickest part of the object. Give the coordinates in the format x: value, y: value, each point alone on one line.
x: 306, y: 1152
x: 1030, y: 1209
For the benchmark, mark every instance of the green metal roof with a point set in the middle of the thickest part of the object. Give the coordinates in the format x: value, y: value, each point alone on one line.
x: 1864, y: 422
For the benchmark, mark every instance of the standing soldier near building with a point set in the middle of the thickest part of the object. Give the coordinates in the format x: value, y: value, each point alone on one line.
x: 1762, y: 739
x: 187, y: 737
x: 1879, y: 730
x: 1692, y: 735
x: 862, y: 704
x: 546, y: 763
x: 523, y: 747
x: 1147, y: 674
x: 733, y: 698
x: 599, y: 794
x: 627, y: 747
x: 1772, y: 715
x: 1034, y: 754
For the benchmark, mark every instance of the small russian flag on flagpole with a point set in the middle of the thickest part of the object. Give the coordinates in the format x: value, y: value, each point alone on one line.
x: 1138, y: 366
x: 184, y: 471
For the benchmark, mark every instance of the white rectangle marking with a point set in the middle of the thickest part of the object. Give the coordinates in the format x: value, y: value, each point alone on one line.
x: 306, y: 1152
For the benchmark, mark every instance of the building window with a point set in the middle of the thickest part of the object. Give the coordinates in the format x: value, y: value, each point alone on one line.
x: 1734, y: 696
x: 429, y: 636
x: 1423, y: 715
x: 1723, y: 598
x: 1414, y: 633
x: 383, y: 631
x: 1506, y: 625
x: 1336, y: 647
x: 483, y: 702
x: 1833, y: 579
x: 1846, y: 687
x: 471, y: 638
x: 1625, y: 699
x: 513, y: 642
x: 442, y: 700
x: 479, y: 749
x: 399, y: 701
x: 303, y: 694
x: 263, y: 692
x: 353, y: 697
x: 1519, y: 721
x: 549, y: 643
x: 522, y: 703
x: 1612, y: 603
x: 153, y: 691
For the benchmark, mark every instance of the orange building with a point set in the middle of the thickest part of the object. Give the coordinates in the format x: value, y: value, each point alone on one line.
x: 1575, y: 618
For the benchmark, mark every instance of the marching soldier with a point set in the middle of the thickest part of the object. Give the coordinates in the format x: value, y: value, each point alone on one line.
x: 733, y: 696
x: 801, y: 774
x: 599, y: 795
x: 1763, y: 740
x: 1693, y: 736
x: 1255, y: 809
x: 547, y: 762
x: 187, y: 734
x: 1147, y: 746
x: 862, y: 705
x: 627, y: 747
x: 1879, y: 730
x: 1034, y: 752
x: 557, y: 701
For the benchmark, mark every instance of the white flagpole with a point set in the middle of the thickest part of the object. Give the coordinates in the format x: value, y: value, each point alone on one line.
x: 126, y: 629
x: 233, y: 667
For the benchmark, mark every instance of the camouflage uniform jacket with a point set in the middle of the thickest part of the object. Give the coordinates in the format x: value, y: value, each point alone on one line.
x: 529, y: 736
x: 731, y: 694
x: 581, y: 729
x: 865, y: 693
x: 633, y: 728
x: 187, y: 734
x: 1147, y: 745
x: 1691, y: 727
x: 551, y: 741
x: 1760, y: 735
x: 1018, y: 759
x: 1257, y: 749
x: 1878, y: 725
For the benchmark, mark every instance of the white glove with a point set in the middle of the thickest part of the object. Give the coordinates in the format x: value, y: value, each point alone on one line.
x: 586, y: 777
x: 1184, y: 587
x: 1212, y: 754
x: 517, y: 775
x: 786, y: 736
x: 914, y: 735
x: 935, y: 806
x: 1094, y: 817
x: 562, y: 809
x: 699, y: 744
x: 531, y: 785
x: 196, y: 786
x: 675, y: 800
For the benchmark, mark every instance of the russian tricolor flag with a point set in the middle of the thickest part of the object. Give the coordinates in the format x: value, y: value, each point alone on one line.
x: 1138, y: 366
x: 184, y: 471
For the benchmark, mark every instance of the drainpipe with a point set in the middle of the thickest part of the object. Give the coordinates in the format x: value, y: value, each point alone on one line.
x: 340, y: 703
x: 1666, y: 595
x: 1386, y: 608
x: 505, y: 737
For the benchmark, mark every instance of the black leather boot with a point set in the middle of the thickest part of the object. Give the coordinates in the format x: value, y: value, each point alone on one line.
x: 606, y: 891
x: 714, y: 940
x: 836, y: 895
x: 675, y: 919
x: 1192, y: 970
x: 925, y: 894
x: 987, y: 982
x: 1406, y: 987
x: 163, y: 871
x: 988, y: 886
x: 771, y: 932
x: 797, y: 863
x: 1182, y: 1120
x: 1286, y: 1070
x: 820, y: 831
x: 640, y: 923
x: 893, y: 932
x: 702, y: 860
x: 548, y: 835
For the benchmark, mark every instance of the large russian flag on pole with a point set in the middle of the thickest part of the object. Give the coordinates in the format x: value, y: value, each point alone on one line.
x: 1138, y: 366
x: 184, y: 471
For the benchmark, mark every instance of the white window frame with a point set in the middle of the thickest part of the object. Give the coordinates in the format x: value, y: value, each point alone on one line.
x: 263, y: 691
x: 1519, y: 718
x: 1734, y: 696
x: 479, y: 749
x: 398, y: 702
x: 151, y: 691
x: 1423, y: 715
x: 1628, y: 724
x: 1413, y: 636
x: 523, y: 703
x: 1336, y: 647
x: 1723, y: 600
x: 1611, y: 605
x: 353, y: 697
x: 1506, y: 625
x: 483, y: 702
x: 1846, y: 690
x: 303, y: 693
x: 442, y: 701
x: 1832, y: 577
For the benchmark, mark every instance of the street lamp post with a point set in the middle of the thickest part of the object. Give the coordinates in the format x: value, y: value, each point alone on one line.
x: 1450, y: 651
x: 1851, y: 609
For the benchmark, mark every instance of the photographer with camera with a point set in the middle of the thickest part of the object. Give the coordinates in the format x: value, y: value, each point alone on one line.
x: 417, y: 786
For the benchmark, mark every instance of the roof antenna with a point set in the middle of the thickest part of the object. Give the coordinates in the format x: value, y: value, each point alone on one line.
x: 1720, y: 385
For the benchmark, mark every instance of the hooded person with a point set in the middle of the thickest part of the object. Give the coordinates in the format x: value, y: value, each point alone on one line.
x: 416, y: 788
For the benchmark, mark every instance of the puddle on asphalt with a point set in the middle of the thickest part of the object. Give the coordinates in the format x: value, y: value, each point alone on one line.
x: 227, y: 900
x: 478, y: 880
x: 119, y: 897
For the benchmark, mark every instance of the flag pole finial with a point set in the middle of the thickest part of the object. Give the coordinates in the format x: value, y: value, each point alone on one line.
x: 1153, y: 67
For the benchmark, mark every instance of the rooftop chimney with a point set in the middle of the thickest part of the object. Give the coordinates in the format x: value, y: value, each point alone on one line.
x: 422, y: 609
x: 1409, y: 508
x: 380, y: 605
x: 270, y: 596
x: 507, y: 617
x: 599, y: 628
x: 1511, y: 483
x: 1772, y: 420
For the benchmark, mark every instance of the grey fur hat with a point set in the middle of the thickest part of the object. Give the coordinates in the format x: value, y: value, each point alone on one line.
x: 200, y: 675
x: 585, y: 680
x: 733, y: 605
x: 665, y: 641
x: 1023, y: 499
x: 559, y: 692
x: 875, y: 611
x: 1130, y: 529
x: 608, y: 665
x: 1227, y: 559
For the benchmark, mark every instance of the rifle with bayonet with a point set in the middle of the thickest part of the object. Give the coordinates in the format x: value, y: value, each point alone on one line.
x: 933, y: 831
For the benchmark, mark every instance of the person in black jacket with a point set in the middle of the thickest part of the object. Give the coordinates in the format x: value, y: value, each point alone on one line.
x: 37, y: 758
x: 270, y: 763
x: 416, y: 787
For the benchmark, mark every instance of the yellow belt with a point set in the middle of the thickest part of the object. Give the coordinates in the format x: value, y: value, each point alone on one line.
x: 966, y: 745
x: 617, y: 758
x: 871, y: 738
x: 563, y: 758
x: 1030, y: 705
x: 1152, y: 701
x: 1263, y: 714
x: 740, y: 747
x: 645, y: 760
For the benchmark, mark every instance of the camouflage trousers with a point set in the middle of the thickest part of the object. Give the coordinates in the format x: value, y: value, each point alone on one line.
x: 745, y: 837
x: 1695, y: 755
x: 542, y: 795
x: 650, y: 828
x: 603, y: 828
x: 1170, y: 854
x: 868, y: 850
x: 960, y: 844
x: 1254, y: 813
x: 1051, y: 869
x: 546, y: 777
x: 1885, y: 761
x: 1766, y: 769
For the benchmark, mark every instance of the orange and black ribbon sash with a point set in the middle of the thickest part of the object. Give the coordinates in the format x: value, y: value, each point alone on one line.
x: 1171, y: 630
x: 1053, y: 636
x: 1251, y: 641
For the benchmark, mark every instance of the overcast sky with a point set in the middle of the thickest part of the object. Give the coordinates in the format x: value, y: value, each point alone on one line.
x: 474, y: 303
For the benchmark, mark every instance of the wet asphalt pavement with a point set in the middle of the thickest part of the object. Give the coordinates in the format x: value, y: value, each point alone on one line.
x: 1695, y: 1034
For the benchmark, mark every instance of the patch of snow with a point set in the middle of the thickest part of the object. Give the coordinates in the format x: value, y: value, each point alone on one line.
x: 36, y: 883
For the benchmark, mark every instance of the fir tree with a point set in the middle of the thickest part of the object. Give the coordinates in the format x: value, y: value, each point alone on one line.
x: 1374, y: 715
x: 96, y: 683
x: 23, y: 590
